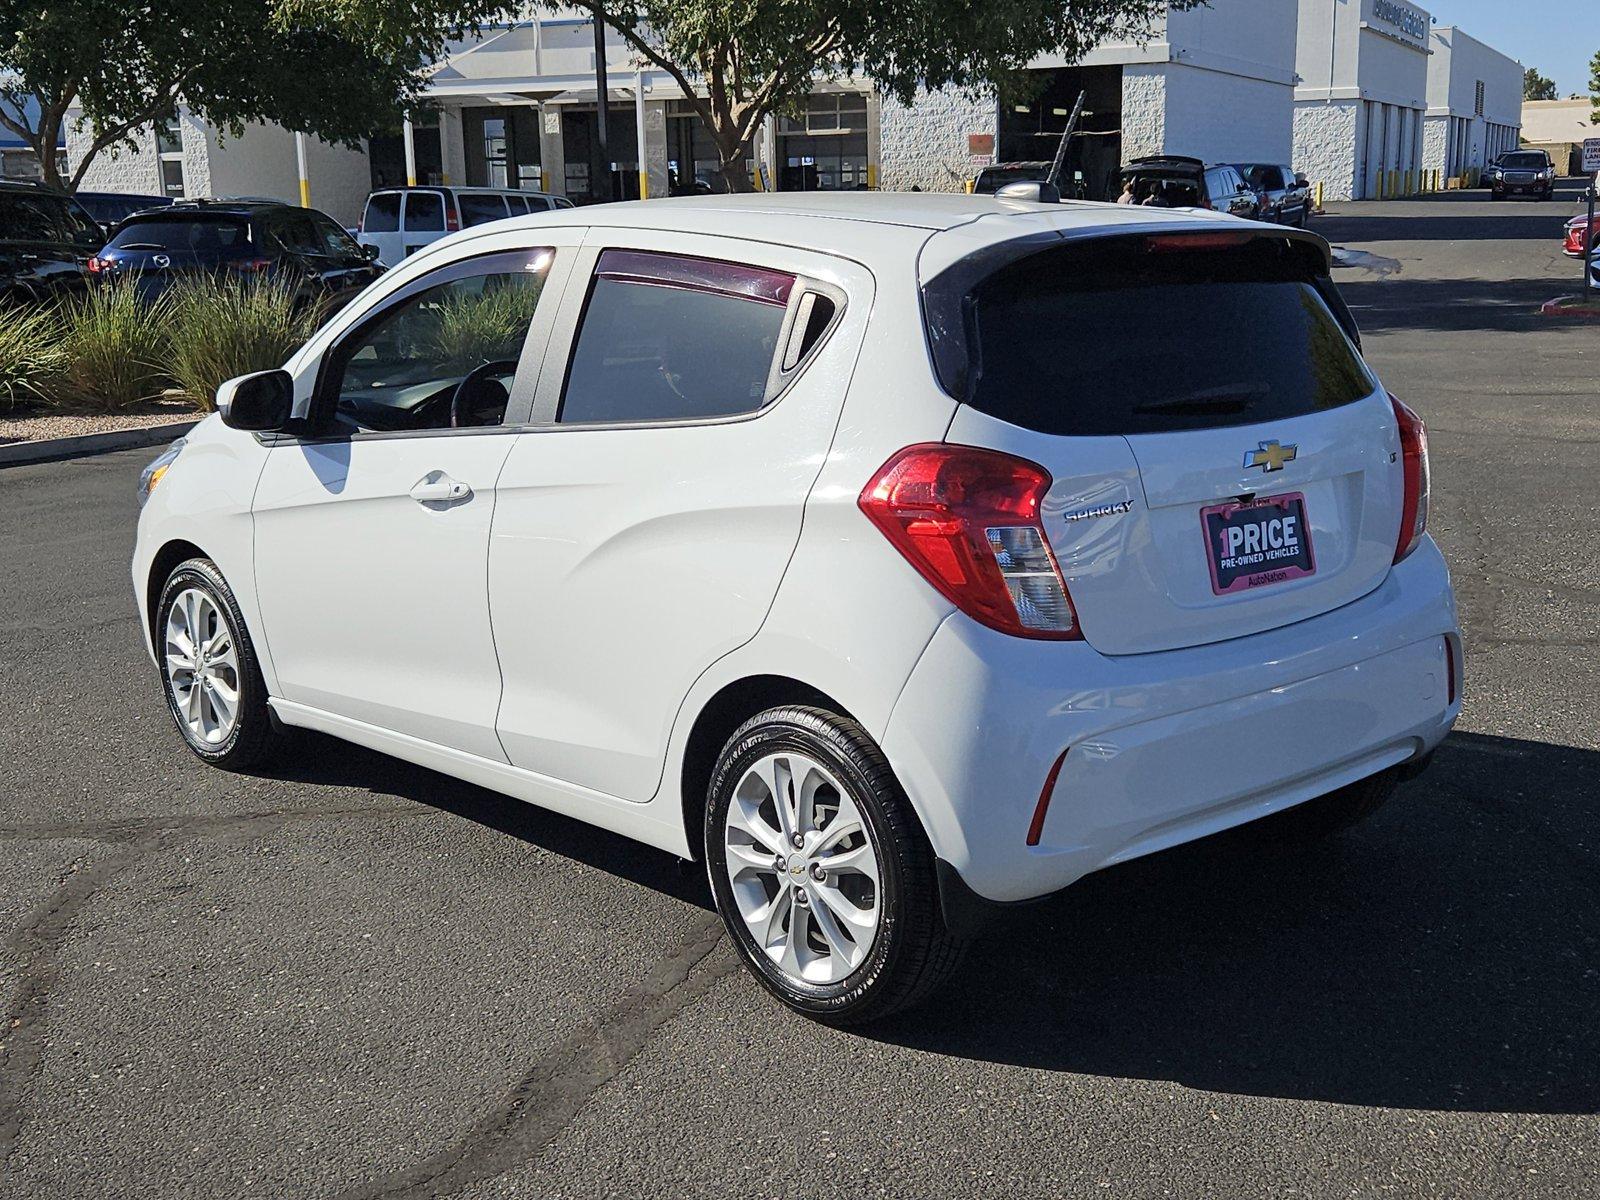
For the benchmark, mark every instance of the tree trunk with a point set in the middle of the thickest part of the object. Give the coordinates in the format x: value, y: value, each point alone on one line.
x: 731, y: 160
x: 44, y: 149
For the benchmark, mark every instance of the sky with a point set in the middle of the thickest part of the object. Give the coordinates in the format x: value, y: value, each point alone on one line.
x: 1557, y: 36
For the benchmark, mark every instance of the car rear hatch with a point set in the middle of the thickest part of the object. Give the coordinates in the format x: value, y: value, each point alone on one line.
x: 175, y: 243
x: 1221, y: 460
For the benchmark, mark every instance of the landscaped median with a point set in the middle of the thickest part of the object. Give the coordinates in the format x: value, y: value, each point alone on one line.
x: 113, y: 368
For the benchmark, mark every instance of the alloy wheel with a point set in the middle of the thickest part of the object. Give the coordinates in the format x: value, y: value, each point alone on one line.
x: 803, y: 868
x: 202, y: 668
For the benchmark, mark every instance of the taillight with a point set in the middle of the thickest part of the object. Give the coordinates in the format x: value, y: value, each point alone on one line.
x: 451, y: 221
x: 94, y: 265
x: 968, y: 521
x: 1414, y: 456
x: 252, y: 265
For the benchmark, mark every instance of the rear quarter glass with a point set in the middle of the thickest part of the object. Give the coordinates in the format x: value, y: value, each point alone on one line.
x: 1119, y: 337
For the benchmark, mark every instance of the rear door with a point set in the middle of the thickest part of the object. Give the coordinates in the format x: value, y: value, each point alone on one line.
x: 1223, y: 462
x: 380, y: 226
x: 645, y: 521
x: 422, y: 220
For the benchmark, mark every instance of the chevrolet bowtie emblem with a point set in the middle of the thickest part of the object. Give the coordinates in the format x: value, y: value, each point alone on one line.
x: 1270, y: 456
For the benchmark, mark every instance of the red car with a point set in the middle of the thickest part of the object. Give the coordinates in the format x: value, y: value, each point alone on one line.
x: 1573, y: 245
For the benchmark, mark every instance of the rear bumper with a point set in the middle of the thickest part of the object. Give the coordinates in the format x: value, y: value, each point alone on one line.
x: 1159, y: 749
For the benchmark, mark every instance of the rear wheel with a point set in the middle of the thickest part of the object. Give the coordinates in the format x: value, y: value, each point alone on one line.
x: 1326, y: 816
x: 209, y: 673
x: 821, y: 871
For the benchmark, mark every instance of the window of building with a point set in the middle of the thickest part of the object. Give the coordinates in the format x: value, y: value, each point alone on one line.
x: 169, y: 150
x: 671, y: 338
x: 495, y: 158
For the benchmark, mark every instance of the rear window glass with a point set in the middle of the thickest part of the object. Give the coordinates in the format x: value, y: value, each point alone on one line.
x: 424, y: 212
x: 1119, y: 338
x: 383, y: 213
x: 668, y: 338
x: 477, y: 210
x: 200, y: 234
x: 32, y: 218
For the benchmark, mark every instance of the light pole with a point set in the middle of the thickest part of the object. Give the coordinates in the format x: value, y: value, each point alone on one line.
x: 601, y: 102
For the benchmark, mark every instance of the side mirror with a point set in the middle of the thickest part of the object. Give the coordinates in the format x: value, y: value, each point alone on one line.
x: 369, y: 252
x: 1301, y: 181
x: 262, y: 402
x: 1040, y: 191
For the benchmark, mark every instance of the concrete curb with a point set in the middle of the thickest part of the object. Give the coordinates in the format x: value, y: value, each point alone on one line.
x: 54, y: 449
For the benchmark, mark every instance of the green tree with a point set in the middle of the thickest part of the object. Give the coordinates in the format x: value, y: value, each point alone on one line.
x: 1594, y: 89
x: 120, y: 67
x: 1536, y: 86
x: 750, y: 58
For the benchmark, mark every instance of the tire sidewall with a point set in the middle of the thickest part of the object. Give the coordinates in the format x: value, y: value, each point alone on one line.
x: 757, y: 741
x: 201, y: 576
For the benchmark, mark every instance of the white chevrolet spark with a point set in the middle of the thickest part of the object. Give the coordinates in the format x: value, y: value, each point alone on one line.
x: 903, y: 556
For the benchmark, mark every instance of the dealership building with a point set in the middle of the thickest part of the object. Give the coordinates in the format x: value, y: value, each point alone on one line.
x: 1352, y: 93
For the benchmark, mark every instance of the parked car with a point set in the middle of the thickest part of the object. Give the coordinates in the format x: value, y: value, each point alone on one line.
x: 1173, y: 181
x: 1523, y: 173
x: 1284, y: 197
x: 108, y: 208
x: 1573, y: 243
x: 401, y: 221
x: 991, y: 179
x: 238, y: 237
x: 811, y: 550
x: 46, y: 239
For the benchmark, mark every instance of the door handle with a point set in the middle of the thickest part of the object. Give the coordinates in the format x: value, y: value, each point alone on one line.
x: 438, y: 488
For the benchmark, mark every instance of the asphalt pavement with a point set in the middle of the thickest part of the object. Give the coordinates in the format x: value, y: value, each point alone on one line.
x: 353, y: 978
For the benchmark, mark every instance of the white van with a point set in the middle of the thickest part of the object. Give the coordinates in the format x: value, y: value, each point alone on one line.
x: 401, y: 221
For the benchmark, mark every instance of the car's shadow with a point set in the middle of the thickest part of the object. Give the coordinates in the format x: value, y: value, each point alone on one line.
x: 1446, y: 955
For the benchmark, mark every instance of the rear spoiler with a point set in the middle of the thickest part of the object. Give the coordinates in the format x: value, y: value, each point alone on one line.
x: 946, y: 298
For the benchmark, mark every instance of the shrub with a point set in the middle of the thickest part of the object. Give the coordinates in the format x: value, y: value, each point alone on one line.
x: 30, y: 353
x: 219, y: 328
x: 112, y: 344
x: 478, y: 327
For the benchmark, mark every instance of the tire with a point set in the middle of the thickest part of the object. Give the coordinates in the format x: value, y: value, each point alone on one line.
x: 1327, y: 816
x: 831, y: 759
x: 249, y: 737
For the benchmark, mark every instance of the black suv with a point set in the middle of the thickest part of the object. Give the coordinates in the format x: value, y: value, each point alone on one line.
x: 1173, y: 181
x: 46, y: 239
x: 1285, y: 196
x: 239, y: 237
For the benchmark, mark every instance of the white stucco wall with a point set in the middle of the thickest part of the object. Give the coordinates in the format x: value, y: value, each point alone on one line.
x: 1144, y: 111
x: 1325, y: 145
x: 925, y: 143
x: 1223, y: 117
x: 1436, y: 144
x: 119, y: 169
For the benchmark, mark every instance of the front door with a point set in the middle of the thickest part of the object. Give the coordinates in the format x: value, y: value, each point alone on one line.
x: 371, y: 544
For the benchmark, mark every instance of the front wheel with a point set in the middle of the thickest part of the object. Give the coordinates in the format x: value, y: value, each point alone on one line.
x: 821, y: 871
x: 209, y: 672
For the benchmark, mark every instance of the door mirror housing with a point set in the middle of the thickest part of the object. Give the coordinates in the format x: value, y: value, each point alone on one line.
x: 1301, y: 181
x: 1041, y: 191
x: 369, y: 252
x: 261, y: 403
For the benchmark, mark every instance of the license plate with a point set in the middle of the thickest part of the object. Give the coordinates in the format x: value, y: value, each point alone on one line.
x: 1257, y: 543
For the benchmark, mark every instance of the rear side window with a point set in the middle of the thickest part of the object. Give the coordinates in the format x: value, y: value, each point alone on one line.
x: 1136, y: 335
x: 478, y: 210
x: 518, y: 205
x: 199, y: 235
x: 671, y: 338
x: 424, y: 212
x: 383, y: 213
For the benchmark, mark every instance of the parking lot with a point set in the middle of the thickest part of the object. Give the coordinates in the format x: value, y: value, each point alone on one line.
x: 354, y: 978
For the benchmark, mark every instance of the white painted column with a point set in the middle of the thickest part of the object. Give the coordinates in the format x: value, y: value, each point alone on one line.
x: 300, y: 165
x: 638, y: 135
x: 409, y: 136
x: 444, y: 146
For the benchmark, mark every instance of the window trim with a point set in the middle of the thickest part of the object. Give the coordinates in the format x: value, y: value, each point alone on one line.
x: 553, y: 385
x: 321, y: 421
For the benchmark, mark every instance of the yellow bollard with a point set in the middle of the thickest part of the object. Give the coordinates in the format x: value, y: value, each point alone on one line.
x: 1410, y: 191
x: 1319, y: 195
x: 872, y: 177
x: 644, y: 184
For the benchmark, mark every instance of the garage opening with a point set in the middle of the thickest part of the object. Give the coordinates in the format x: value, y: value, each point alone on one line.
x: 1031, y: 122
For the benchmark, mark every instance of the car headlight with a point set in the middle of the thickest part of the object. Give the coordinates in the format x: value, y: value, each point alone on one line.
x: 156, y: 468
